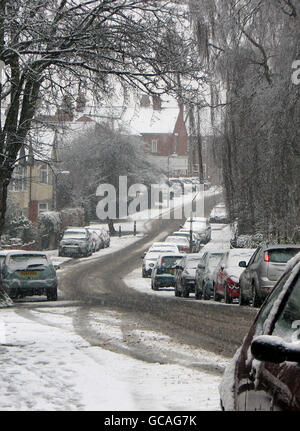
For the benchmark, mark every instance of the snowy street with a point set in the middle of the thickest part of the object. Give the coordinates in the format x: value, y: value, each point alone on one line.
x: 47, y: 365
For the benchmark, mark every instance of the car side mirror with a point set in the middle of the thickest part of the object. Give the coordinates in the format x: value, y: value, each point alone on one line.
x: 243, y: 264
x: 56, y: 266
x: 270, y: 348
x: 201, y: 267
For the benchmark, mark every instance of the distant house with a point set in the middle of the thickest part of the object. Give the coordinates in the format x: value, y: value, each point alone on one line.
x: 32, y: 182
x: 160, y: 126
x: 34, y: 177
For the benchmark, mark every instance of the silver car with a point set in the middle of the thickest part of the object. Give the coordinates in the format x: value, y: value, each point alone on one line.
x: 76, y: 242
x: 262, y: 272
x: 205, y: 274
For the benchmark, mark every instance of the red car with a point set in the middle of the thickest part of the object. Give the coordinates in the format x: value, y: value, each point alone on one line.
x: 228, y: 273
x: 265, y: 373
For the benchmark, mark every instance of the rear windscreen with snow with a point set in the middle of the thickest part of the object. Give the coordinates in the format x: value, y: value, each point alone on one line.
x: 25, y: 260
x: 282, y: 255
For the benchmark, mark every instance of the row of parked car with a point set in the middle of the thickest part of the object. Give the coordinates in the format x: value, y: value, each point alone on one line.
x: 264, y: 372
x: 28, y: 273
x: 243, y: 275
x: 83, y: 241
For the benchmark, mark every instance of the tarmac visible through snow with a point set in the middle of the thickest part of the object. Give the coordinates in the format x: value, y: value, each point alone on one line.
x: 100, y: 355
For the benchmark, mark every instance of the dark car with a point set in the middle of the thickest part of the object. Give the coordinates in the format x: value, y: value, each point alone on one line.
x: 205, y: 274
x: 185, y: 275
x: 264, y: 373
x: 263, y: 270
x: 163, y: 272
x: 228, y: 273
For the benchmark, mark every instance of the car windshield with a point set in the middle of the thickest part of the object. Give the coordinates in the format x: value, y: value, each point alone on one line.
x: 192, y: 263
x: 282, y: 255
x: 169, y: 261
x: 287, y: 325
x: 27, y: 260
x: 214, y: 259
x: 71, y: 234
x: 177, y: 240
x: 234, y: 259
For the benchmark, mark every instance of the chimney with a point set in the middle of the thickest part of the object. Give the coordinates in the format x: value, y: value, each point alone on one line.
x: 156, y: 102
x: 80, y: 102
x: 145, y: 101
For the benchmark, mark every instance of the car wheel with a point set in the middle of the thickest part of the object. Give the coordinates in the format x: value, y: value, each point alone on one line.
x: 177, y: 292
x: 242, y: 300
x: 154, y: 286
x: 227, y: 298
x: 206, y: 296
x: 255, y: 302
x: 185, y: 292
x: 197, y: 293
x: 52, y: 296
x: 216, y: 295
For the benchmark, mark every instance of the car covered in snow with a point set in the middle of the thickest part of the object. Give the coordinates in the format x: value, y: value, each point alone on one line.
x: 228, y: 273
x: 97, y: 241
x: 185, y: 275
x: 150, y: 258
x: 218, y: 214
x: 164, y: 246
x: 195, y: 239
x: 199, y: 225
x: 264, y: 373
x: 263, y: 270
x: 164, y: 270
x: 28, y: 273
x: 182, y: 243
x: 76, y: 241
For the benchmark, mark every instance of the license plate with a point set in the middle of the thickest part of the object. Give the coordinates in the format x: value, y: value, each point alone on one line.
x: 28, y: 273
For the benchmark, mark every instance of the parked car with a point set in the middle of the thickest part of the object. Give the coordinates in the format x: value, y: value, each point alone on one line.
x: 263, y: 270
x: 183, y: 244
x: 218, y: 214
x: 264, y: 373
x: 205, y: 272
x: 196, y: 245
x: 27, y: 273
x: 185, y: 275
x: 150, y: 258
x: 97, y: 241
x: 201, y: 226
x: 163, y: 271
x: 228, y: 273
x: 76, y: 242
x: 164, y: 246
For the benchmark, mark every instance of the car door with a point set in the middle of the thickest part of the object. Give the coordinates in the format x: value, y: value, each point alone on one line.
x: 221, y: 275
x: 249, y: 273
x: 263, y: 385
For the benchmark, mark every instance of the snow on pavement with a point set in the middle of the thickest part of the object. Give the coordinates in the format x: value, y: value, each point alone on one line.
x: 46, y: 366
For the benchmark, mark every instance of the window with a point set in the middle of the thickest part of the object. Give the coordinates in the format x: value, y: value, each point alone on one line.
x: 44, y: 174
x: 43, y: 207
x: 266, y: 310
x: 154, y: 145
x: 19, y: 179
x: 288, y: 323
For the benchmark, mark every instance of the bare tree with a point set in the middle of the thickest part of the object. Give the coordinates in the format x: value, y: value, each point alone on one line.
x: 51, y: 47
